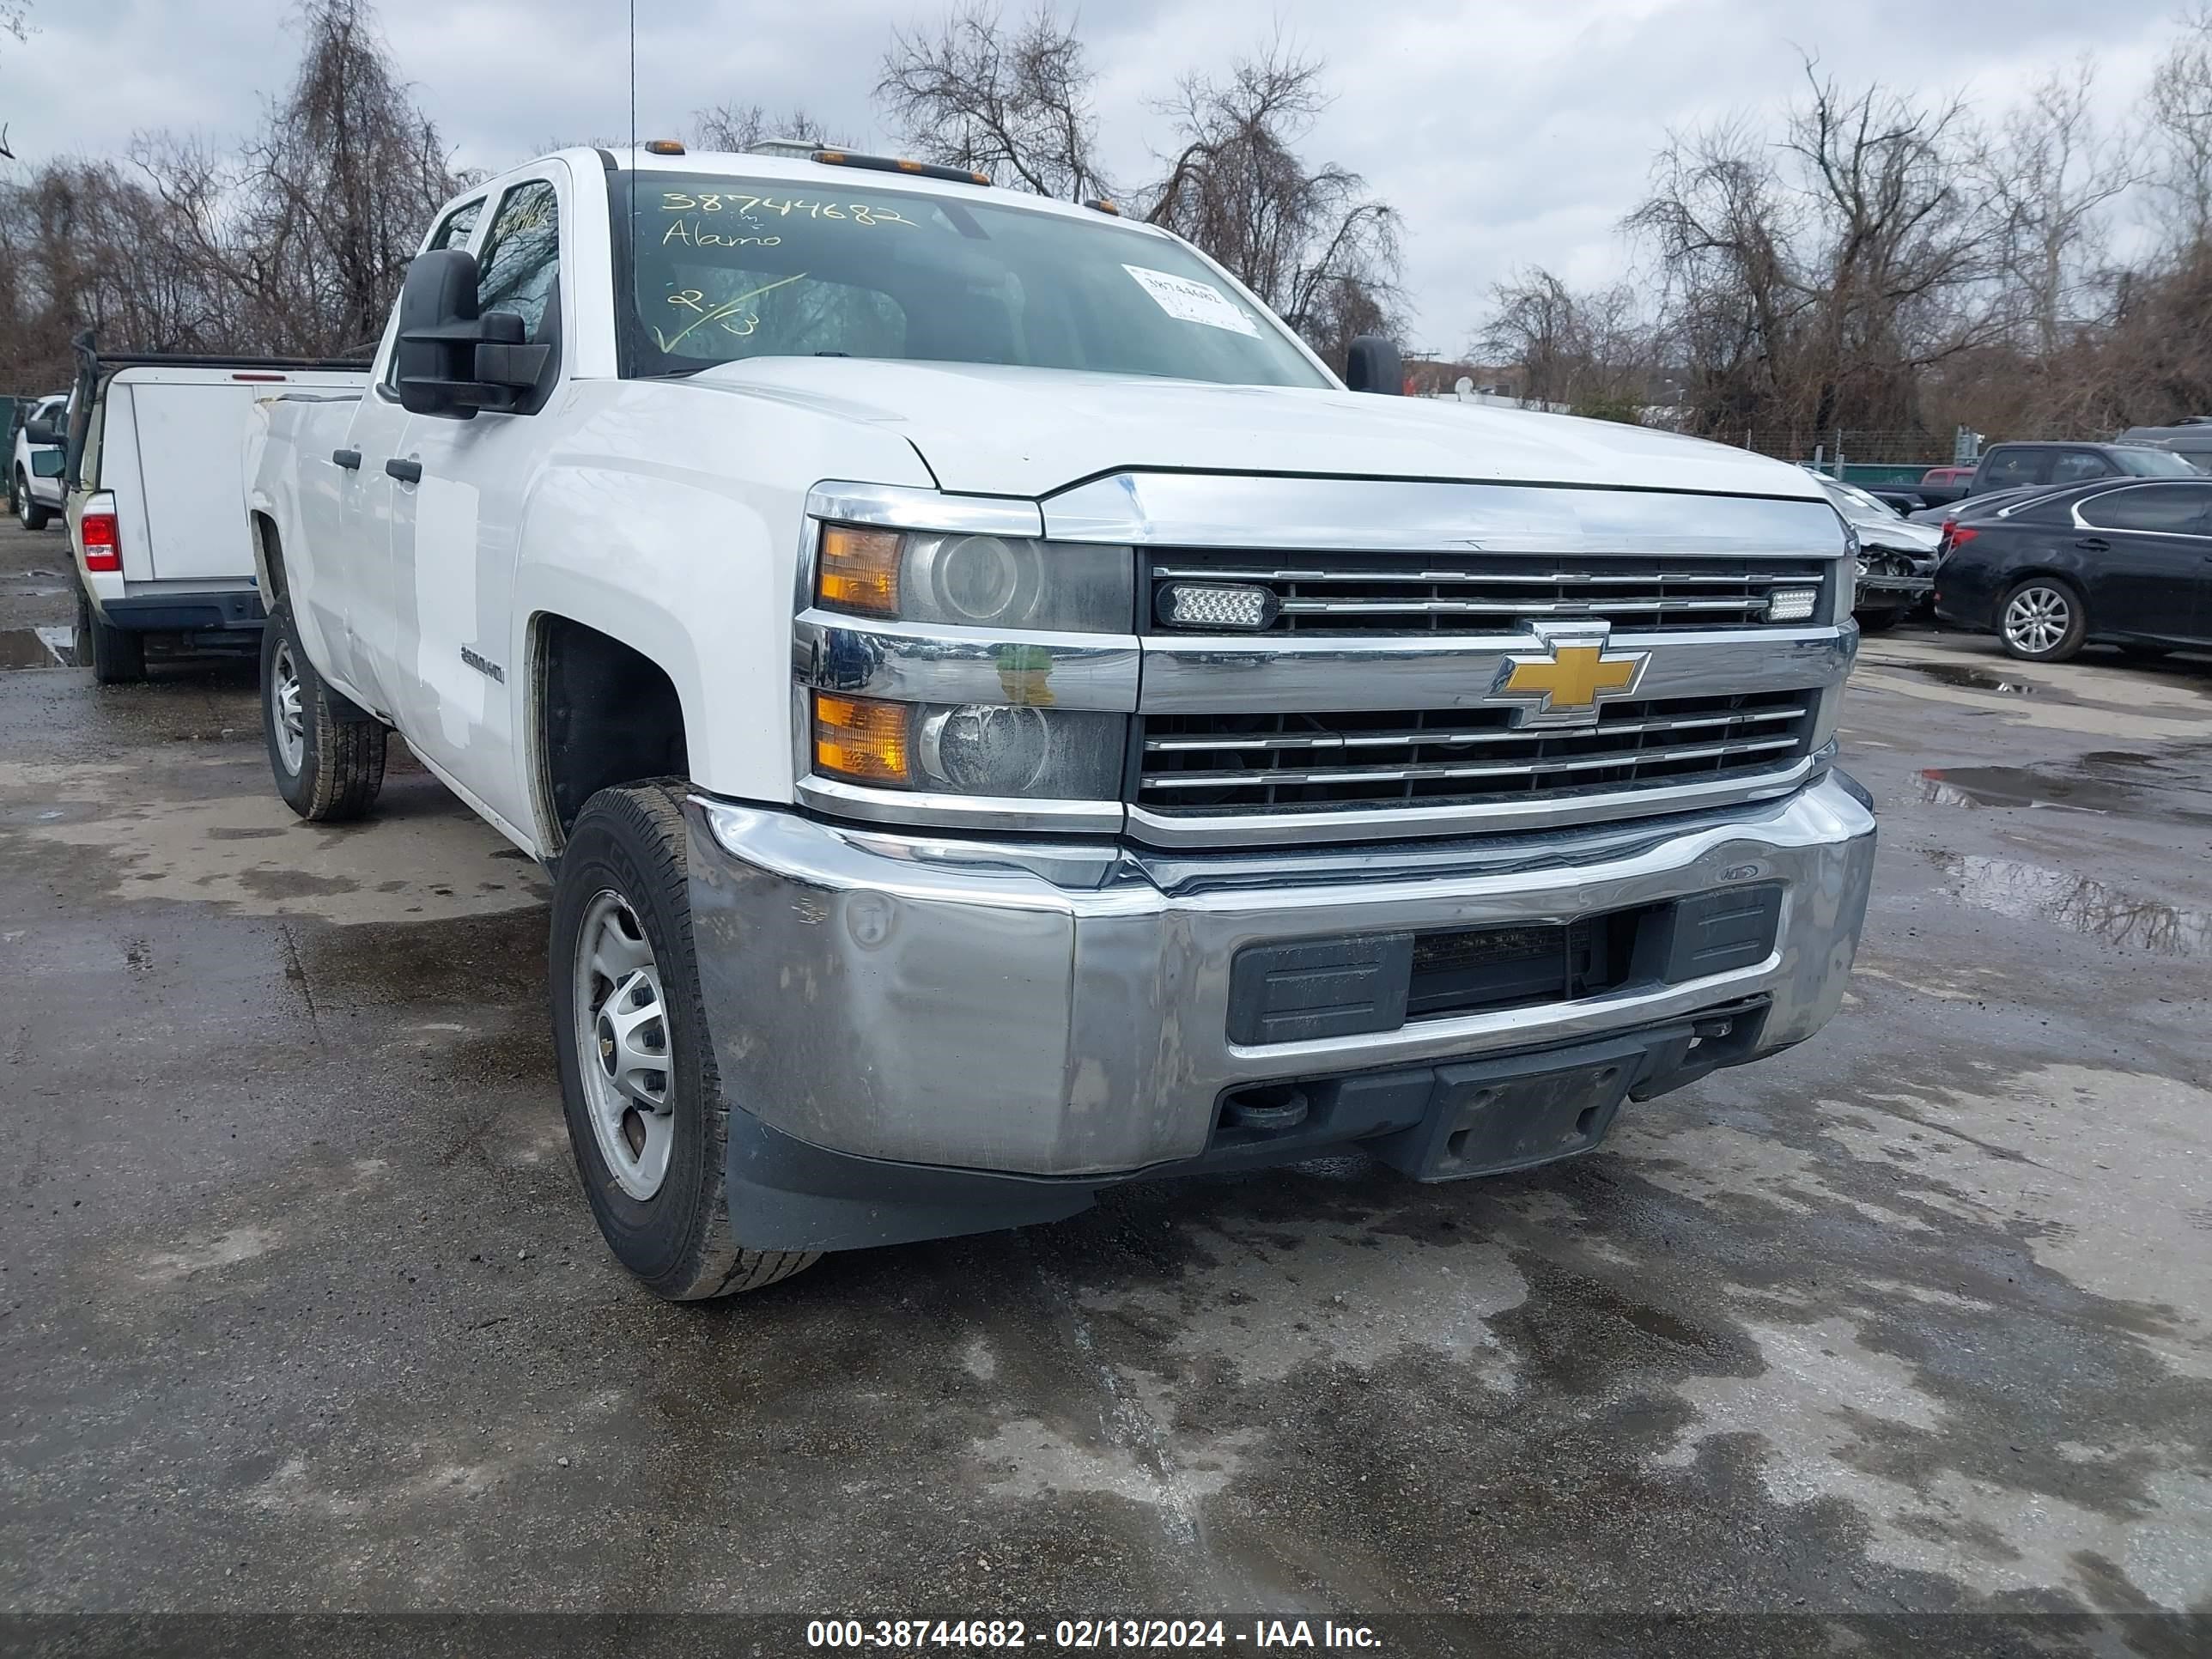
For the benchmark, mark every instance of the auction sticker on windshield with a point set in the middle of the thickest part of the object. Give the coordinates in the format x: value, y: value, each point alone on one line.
x: 1193, y: 302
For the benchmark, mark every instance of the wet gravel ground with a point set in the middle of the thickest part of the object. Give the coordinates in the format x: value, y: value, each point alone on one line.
x: 301, y: 1310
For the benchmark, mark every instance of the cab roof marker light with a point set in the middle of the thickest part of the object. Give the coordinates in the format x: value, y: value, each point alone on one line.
x: 1102, y: 205
x: 663, y: 147
x: 846, y: 158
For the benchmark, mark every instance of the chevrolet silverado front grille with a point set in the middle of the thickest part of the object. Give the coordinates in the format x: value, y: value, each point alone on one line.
x: 1493, y: 594
x: 1212, y: 762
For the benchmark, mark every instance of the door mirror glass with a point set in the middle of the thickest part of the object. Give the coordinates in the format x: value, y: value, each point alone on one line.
x: 46, y: 463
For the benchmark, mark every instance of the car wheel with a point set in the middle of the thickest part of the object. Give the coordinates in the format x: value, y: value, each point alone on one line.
x: 2042, y: 619
x: 29, y: 512
x: 115, y: 655
x: 326, y: 755
x: 647, y: 1119
x: 1877, y: 622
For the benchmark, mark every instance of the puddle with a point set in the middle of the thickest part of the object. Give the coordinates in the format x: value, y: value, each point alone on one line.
x: 2007, y: 786
x: 2104, y: 781
x: 38, y: 648
x: 2031, y: 892
x: 1969, y: 679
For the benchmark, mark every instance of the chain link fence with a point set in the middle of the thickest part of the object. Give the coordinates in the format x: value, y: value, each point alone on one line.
x: 1846, y: 446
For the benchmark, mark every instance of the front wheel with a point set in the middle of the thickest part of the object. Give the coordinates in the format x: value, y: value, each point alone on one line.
x: 326, y: 757
x: 29, y: 512
x: 643, y: 1098
x: 2042, y: 619
x: 1877, y: 622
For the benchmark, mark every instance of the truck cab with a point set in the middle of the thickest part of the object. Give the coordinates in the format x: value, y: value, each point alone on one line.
x: 1005, y: 719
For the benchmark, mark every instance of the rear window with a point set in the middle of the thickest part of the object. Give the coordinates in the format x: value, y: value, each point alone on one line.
x: 2145, y: 462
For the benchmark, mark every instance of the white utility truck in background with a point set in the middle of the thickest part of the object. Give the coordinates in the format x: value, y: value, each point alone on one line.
x: 157, y: 520
x: 1003, y: 717
x: 34, y: 468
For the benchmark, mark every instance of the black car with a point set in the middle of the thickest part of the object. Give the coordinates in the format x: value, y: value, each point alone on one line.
x: 2125, y: 561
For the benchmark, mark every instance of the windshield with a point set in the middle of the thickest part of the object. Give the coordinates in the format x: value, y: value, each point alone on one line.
x: 1855, y: 503
x: 2147, y: 463
x: 727, y: 269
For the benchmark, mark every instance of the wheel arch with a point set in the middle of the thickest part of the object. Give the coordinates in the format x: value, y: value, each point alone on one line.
x: 597, y: 695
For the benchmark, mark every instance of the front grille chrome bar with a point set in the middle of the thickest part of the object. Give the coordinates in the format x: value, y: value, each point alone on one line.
x: 1340, y: 776
x: 1265, y: 674
x: 1402, y: 739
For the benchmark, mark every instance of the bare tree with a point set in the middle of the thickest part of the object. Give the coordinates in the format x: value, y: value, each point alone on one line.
x: 1012, y: 103
x: 1724, y: 228
x: 2049, y: 174
x: 310, y: 227
x: 1310, y: 241
x: 14, y: 21
x: 2181, y: 119
x: 1813, y: 283
x: 741, y: 127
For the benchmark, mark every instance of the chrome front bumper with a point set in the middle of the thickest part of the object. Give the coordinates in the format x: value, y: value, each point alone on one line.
x: 1062, y: 1010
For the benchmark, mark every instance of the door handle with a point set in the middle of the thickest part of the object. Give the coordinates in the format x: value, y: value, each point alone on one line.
x: 348, y: 459
x: 2093, y: 544
x: 405, y: 471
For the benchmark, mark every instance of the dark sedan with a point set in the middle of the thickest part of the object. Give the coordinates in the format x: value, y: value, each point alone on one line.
x: 2127, y: 561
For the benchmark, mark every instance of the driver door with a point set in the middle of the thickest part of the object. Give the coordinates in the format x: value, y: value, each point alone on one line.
x: 459, y: 490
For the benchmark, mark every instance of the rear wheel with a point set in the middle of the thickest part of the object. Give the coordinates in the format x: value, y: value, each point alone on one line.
x: 29, y: 512
x: 115, y: 656
x: 327, y: 759
x: 2042, y: 620
x: 647, y: 1119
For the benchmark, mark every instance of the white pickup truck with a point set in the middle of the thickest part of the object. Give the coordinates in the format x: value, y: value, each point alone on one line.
x: 1005, y: 719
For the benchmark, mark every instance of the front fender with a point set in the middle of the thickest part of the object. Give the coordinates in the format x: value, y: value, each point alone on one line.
x: 691, y: 573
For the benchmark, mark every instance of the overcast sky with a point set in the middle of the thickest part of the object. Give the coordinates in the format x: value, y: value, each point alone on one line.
x: 1507, y: 131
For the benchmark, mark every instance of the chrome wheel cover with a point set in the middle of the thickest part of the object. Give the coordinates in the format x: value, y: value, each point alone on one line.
x: 624, y: 1054
x: 2037, y: 618
x: 287, y: 715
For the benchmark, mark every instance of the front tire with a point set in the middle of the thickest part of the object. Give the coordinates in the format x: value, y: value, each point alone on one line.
x: 29, y: 512
x: 1877, y: 622
x: 327, y: 759
x: 2042, y: 619
x: 647, y: 1119
x: 116, y: 656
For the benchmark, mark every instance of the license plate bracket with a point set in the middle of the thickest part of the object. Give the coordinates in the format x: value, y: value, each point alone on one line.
x: 1488, y: 1116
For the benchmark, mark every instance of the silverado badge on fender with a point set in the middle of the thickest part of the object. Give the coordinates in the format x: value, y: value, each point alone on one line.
x: 1563, y: 682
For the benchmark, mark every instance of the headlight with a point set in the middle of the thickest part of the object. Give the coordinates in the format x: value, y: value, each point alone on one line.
x: 976, y: 581
x: 1000, y: 750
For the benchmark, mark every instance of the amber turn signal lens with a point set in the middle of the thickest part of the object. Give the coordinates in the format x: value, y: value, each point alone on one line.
x: 859, y: 570
x: 861, y: 738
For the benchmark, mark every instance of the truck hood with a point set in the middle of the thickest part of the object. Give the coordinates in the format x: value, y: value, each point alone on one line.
x: 992, y: 430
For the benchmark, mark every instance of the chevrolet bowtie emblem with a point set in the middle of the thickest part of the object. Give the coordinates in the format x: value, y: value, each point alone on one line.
x: 1563, y: 682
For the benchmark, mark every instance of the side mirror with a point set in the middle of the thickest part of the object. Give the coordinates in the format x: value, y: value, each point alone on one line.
x: 47, y: 462
x: 1373, y: 365
x: 452, y: 360
x: 44, y: 432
